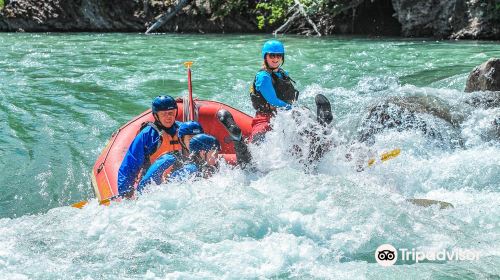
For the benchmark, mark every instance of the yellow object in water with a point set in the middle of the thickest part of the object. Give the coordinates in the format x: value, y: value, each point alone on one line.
x: 385, y: 156
x: 391, y: 154
x: 82, y: 204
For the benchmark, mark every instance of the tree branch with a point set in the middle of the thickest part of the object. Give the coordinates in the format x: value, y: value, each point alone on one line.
x: 303, y: 12
x: 167, y: 16
x: 299, y: 10
x: 287, y: 23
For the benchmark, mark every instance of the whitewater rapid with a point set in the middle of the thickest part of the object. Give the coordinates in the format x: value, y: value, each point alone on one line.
x: 281, y: 221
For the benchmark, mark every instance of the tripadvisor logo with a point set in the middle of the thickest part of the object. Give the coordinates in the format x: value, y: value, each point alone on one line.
x: 387, y: 255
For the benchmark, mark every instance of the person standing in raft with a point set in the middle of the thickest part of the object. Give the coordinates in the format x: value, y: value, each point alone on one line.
x: 273, y: 89
x: 153, y: 140
x: 203, y: 161
x: 168, y: 163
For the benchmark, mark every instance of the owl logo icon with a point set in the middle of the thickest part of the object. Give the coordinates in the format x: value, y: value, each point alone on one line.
x: 386, y: 255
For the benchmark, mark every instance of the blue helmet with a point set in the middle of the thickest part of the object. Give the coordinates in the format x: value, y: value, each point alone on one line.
x: 189, y: 128
x: 163, y: 103
x: 203, y: 142
x: 273, y: 46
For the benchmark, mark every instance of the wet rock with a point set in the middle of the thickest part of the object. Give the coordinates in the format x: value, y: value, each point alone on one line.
x: 485, y: 77
x: 484, y: 82
x: 427, y: 114
x: 496, y: 125
x: 485, y: 100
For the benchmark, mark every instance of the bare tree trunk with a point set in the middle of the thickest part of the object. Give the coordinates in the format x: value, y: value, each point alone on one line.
x: 287, y: 23
x: 299, y: 10
x: 303, y: 12
x: 167, y: 16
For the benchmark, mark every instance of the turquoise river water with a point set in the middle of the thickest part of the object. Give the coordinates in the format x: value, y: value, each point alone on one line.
x: 62, y: 95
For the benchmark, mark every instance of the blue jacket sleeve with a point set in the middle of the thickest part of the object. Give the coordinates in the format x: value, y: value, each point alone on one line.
x: 264, y: 84
x: 156, y: 171
x: 144, y: 144
x: 184, y: 173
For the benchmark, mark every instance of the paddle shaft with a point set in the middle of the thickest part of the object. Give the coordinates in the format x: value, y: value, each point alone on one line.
x: 190, y: 89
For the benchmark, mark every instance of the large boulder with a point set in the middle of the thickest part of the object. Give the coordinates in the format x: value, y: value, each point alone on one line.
x: 427, y: 114
x: 485, y: 77
x: 484, y: 82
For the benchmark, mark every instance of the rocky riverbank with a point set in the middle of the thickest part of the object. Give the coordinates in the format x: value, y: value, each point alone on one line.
x: 115, y: 16
x: 450, y: 19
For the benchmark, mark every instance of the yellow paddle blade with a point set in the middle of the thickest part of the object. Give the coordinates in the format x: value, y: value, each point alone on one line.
x: 79, y: 205
x: 105, y: 201
x: 188, y: 64
x: 391, y: 154
x: 82, y: 204
x: 385, y: 156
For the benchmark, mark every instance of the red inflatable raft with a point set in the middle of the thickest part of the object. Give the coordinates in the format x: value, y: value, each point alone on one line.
x: 105, y: 171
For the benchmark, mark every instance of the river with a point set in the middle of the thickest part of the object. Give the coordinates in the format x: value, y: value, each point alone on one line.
x: 63, y: 95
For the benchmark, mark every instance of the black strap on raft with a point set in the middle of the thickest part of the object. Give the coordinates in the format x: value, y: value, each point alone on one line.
x: 155, y: 127
x: 147, y: 158
x: 147, y: 162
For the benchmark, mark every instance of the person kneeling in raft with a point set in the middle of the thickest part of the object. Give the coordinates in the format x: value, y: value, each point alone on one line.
x: 202, y: 162
x: 168, y: 163
x: 154, y: 140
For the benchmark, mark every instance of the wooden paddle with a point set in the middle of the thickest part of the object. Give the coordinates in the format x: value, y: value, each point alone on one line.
x: 417, y: 201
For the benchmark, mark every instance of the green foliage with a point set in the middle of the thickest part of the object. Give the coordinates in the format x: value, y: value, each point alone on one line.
x: 275, y: 11
x: 272, y: 11
x: 1, y: 4
x: 267, y: 12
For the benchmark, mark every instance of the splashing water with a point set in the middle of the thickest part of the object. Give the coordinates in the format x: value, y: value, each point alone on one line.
x: 281, y: 221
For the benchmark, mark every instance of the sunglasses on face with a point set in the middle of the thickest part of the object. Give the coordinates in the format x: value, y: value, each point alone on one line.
x: 275, y: 55
x: 169, y: 113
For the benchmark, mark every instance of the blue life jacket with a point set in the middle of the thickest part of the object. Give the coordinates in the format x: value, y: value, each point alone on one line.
x: 144, y: 145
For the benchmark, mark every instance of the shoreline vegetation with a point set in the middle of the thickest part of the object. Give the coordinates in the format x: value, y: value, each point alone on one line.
x: 444, y: 19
